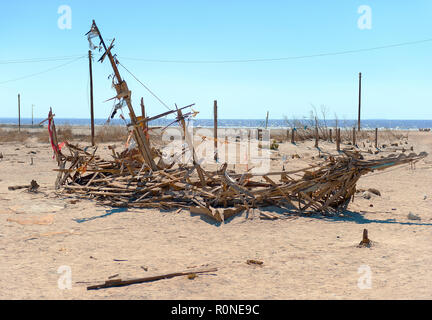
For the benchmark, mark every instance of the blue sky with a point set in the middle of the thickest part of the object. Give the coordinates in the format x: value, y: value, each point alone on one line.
x: 397, y: 81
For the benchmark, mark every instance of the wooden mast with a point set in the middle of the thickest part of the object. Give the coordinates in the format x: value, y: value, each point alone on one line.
x: 123, y: 92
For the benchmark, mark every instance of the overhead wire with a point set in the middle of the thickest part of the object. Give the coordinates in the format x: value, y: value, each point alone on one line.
x: 335, y: 53
x: 147, y: 88
x: 44, y: 71
x: 33, y: 60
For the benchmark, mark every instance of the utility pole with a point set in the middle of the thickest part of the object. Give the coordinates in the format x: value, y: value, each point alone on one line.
x: 32, y: 113
x: 359, y: 104
x: 19, y: 112
x: 215, y: 129
x: 91, y: 100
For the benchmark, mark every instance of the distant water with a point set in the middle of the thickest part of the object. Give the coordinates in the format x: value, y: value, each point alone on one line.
x: 246, y: 123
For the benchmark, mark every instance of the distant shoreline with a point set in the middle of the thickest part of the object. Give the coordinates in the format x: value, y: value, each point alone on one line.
x: 366, y: 124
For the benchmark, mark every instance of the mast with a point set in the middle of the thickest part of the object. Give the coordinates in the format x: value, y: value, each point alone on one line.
x: 123, y: 92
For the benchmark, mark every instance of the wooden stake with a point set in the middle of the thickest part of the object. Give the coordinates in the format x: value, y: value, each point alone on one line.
x: 293, y: 135
x: 354, y: 136
x: 338, y: 138
x: 316, y: 133
x: 359, y: 104
x: 91, y: 99
x: 145, y: 122
x: 19, y: 112
x: 376, y: 138
x: 215, y: 131
x: 330, y: 135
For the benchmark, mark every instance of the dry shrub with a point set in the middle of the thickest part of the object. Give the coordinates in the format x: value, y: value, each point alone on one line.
x: 110, y: 134
x: 42, y: 136
x: 14, y: 135
x: 64, y: 133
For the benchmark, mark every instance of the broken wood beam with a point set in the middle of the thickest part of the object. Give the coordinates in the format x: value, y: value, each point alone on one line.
x: 121, y: 283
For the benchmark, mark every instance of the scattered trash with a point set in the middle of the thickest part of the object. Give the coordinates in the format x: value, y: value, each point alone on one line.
x: 366, y: 195
x: 375, y: 191
x: 412, y: 216
x: 257, y: 262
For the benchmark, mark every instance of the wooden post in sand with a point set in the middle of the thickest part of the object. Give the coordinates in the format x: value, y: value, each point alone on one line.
x: 359, y: 103
x: 376, y: 138
x: 145, y: 123
x: 293, y: 135
x: 354, y: 136
x: 19, y: 112
x: 91, y: 99
x: 215, y: 131
x: 338, y: 139
x: 330, y: 135
x: 316, y: 133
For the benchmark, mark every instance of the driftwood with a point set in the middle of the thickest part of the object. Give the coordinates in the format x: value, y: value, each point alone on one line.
x: 32, y: 187
x: 122, y: 283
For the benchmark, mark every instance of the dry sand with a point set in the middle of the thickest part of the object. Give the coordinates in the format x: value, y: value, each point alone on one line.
x: 311, y: 257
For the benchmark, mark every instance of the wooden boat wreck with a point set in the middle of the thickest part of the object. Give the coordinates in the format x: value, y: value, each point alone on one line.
x: 138, y: 178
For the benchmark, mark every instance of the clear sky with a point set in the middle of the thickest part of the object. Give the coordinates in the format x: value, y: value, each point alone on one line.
x: 397, y: 81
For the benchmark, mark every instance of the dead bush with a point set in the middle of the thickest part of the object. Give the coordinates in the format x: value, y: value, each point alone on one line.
x: 14, y: 135
x: 110, y: 134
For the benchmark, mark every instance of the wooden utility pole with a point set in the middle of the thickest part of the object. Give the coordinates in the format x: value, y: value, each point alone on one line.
x: 19, y: 112
x: 32, y: 113
x: 215, y: 131
x: 293, y: 135
x: 359, y: 104
x: 91, y: 99
x: 124, y: 92
x: 143, y: 113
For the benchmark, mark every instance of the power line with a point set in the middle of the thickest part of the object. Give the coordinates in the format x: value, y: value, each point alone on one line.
x: 153, y: 94
x: 32, y: 60
x: 283, y: 58
x: 42, y: 72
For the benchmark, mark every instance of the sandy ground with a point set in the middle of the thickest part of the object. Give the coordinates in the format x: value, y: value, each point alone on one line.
x: 304, y: 257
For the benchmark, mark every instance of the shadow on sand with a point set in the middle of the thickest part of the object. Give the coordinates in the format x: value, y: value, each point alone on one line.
x: 346, y: 216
